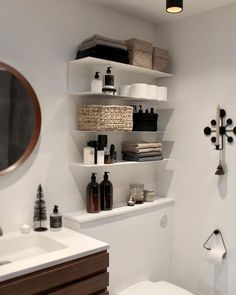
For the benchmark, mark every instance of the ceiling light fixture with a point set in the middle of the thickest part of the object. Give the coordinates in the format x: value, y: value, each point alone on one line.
x: 174, y: 6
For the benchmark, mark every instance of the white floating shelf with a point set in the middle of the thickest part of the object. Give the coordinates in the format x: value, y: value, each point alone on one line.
x: 92, y: 61
x: 123, y: 163
x: 74, y: 132
x: 120, y: 97
x: 159, y: 103
x: 83, y: 217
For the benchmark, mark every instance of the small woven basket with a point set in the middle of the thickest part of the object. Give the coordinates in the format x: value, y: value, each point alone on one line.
x: 140, y: 59
x: 160, y: 60
x: 105, y: 118
x: 160, y: 52
x: 139, y: 45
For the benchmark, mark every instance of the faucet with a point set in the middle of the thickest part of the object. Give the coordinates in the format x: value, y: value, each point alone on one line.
x: 1, y: 233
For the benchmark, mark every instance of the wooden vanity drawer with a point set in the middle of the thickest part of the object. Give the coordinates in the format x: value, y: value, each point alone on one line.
x: 48, y: 281
x: 86, y: 287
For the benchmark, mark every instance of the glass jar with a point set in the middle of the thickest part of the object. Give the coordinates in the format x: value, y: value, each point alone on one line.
x: 136, y: 190
x: 149, y: 195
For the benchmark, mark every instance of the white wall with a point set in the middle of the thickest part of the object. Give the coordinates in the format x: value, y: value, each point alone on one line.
x: 203, y: 52
x: 38, y: 38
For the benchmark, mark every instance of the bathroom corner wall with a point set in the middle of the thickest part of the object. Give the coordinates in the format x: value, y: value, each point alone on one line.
x: 38, y: 38
x: 203, y: 51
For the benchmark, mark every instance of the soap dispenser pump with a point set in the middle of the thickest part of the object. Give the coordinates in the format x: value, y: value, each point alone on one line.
x: 96, y: 84
x: 109, y: 79
x: 109, y: 83
x: 93, y: 196
x: 55, y: 219
x: 106, y: 193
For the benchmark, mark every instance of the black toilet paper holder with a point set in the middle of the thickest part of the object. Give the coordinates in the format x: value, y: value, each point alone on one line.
x: 216, y: 232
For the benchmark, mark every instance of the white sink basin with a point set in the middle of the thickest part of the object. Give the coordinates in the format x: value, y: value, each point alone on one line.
x: 26, y: 246
x: 22, y: 254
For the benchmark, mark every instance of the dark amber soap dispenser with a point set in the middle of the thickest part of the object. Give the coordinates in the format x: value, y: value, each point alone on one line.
x: 106, y: 193
x: 93, y: 196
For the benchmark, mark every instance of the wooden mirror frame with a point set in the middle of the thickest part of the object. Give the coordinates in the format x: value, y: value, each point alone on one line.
x: 35, y: 136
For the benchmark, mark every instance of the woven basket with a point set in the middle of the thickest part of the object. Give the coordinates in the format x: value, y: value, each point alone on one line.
x: 139, y: 45
x: 140, y: 59
x: 160, y: 64
x: 160, y: 60
x: 160, y: 52
x: 105, y: 117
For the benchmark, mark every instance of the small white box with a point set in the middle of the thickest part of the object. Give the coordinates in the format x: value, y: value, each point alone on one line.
x: 89, y: 153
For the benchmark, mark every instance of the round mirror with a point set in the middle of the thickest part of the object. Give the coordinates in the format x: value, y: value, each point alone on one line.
x: 20, y: 119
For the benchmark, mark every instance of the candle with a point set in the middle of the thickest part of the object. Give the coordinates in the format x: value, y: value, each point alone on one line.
x: 218, y: 125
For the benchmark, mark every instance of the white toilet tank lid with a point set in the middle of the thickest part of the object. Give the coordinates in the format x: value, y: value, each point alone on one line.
x: 152, y: 288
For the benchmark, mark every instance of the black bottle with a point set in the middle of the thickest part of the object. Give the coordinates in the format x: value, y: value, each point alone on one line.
x: 113, y: 153
x: 93, y: 196
x: 109, y: 79
x: 55, y: 219
x: 106, y: 193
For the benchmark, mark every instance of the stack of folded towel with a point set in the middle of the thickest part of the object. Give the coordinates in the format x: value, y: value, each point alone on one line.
x: 142, y: 152
x: 105, y: 48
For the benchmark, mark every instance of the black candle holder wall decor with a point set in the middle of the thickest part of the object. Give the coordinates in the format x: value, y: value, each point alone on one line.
x: 223, y: 130
x: 225, y: 127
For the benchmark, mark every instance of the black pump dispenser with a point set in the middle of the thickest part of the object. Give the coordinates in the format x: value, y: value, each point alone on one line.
x: 106, y: 193
x: 96, y: 75
x: 106, y: 175
x: 140, y: 109
x: 55, y: 219
x: 93, y: 177
x: 55, y: 209
x: 93, y: 195
x: 109, y: 79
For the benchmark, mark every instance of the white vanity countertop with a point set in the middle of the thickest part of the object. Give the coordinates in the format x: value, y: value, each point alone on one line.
x: 74, y: 246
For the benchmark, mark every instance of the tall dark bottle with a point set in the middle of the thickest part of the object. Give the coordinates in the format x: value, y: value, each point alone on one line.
x: 93, y: 196
x: 106, y: 193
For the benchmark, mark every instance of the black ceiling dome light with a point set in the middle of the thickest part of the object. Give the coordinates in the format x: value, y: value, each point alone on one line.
x: 174, y: 6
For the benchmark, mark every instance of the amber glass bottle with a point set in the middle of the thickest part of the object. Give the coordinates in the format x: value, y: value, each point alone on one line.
x: 93, y: 196
x: 106, y: 193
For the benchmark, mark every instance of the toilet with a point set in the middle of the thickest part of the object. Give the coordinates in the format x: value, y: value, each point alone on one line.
x: 152, y: 288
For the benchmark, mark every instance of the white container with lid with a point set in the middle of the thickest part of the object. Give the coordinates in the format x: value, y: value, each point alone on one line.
x: 96, y: 84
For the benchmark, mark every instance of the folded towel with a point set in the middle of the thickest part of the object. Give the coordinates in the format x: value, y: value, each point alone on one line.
x: 142, y: 145
x: 142, y: 155
x: 100, y: 37
x: 105, y: 52
x: 143, y: 150
x: 146, y: 159
x: 89, y: 44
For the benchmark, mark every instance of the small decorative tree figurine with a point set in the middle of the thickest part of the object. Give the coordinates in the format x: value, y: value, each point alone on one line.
x: 40, y: 214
